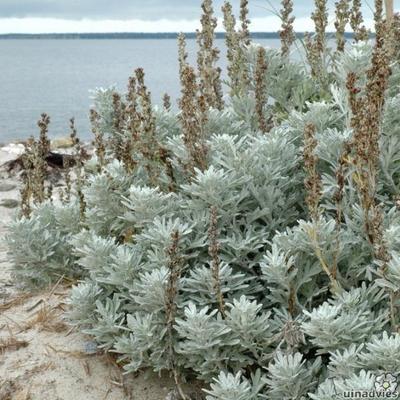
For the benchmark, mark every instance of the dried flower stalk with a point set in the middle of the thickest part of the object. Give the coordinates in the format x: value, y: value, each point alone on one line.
x: 116, y: 142
x: 35, y: 168
x: 367, y: 111
x: 193, y: 120
x: 338, y: 199
x: 80, y: 157
x: 286, y: 33
x: 395, y: 37
x: 27, y: 178
x: 175, y: 268
x: 132, y: 114
x: 320, y: 18
x: 261, y: 88
x: 132, y: 125
x: 37, y: 174
x: 49, y: 192
x: 244, y: 22
x: 44, y: 142
x: 164, y: 156
x: 312, y: 182
x: 213, y: 251
x: 357, y: 22
x: 40, y: 151
x: 207, y: 57
x: 342, y: 12
x: 232, y: 43
x: 237, y: 70
x: 316, y: 46
x: 182, y: 53
x: 137, y: 130
x: 98, y: 142
x: 148, y: 144
x: 66, y: 195
x: 167, y: 102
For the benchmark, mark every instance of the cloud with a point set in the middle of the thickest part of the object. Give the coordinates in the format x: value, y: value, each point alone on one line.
x: 47, y: 16
x: 53, y: 25
x: 103, y: 9
x: 135, y: 9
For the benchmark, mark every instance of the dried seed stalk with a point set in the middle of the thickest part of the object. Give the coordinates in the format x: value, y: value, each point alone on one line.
x: 207, y: 57
x: 98, y: 142
x: 312, y: 182
x: 320, y: 18
x: 148, y: 143
x: 35, y: 168
x: 138, y: 131
x: 342, y: 19
x: 357, y: 22
x: 261, y: 88
x: 316, y: 46
x: 367, y: 112
x: 237, y: 70
x: 27, y: 178
x: 193, y: 120
x: 44, y: 142
x: 286, y: 33
x: 80, y: 157
x: 167, y: 102
x: 171, y: 292
x: 338, y: 199
x: 174, y: 266
x: 132, y: 125
x: 116, y: 141
x: 244, y: 22
x: 213, y: 251
x: 182, y: 53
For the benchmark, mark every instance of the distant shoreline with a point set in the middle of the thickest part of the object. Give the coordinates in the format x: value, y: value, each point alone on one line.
x: 134, y: 35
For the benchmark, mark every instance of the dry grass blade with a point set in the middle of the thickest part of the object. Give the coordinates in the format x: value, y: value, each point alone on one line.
x: 47, y: 319
x: 107, y: 393
x: 86, y: 367
x: 12, y: 343
x: 55, y: 286
x: 22, y: 298
x: 31, y: 308
x: 75, y: 354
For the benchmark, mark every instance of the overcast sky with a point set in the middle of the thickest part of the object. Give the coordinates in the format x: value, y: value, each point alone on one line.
x: 34, y: 16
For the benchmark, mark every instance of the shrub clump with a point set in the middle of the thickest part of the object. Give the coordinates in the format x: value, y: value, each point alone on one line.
x: 253, y: 246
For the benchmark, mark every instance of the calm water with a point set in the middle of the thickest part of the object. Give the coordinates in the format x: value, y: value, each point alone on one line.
x: 56, y: 76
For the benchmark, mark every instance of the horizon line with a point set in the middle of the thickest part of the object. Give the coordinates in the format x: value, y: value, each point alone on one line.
x: 188, y: 33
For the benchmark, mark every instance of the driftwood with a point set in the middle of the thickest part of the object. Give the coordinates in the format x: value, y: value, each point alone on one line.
x: 54, y: 160
x: 59, y: 160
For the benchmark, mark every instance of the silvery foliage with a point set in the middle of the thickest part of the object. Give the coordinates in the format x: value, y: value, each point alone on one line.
x: 104, y: 195
x: 291, y: 377
x: 281, y: 317
x: 228, y: 386
x: 212, y: 343
x: 39, y: 246
x: 84, y: 297
x: 353, y: 386
x: 103, y: 103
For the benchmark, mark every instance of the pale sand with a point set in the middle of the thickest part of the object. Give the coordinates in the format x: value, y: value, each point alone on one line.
x: 48, y: 360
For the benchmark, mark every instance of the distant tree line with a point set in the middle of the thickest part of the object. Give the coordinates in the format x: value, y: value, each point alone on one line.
x: 137, y: 35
